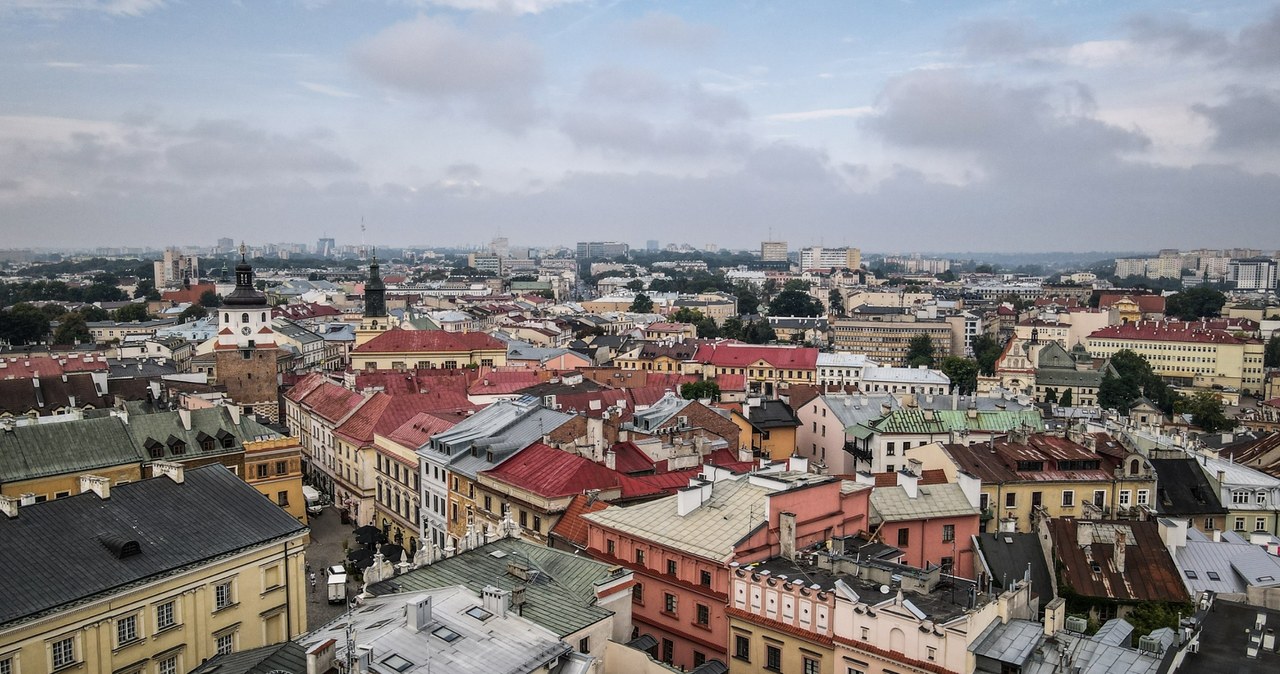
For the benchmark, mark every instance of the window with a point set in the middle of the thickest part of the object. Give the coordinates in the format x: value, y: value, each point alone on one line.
x: 1213, y: 575
x: 1144, y: 496
x: 126, y: 629
x: 225, y: 644
x: 222, y: 596
x: 1037, y: 498
x: 699, y: 659
x: 904, y: 536
x: 168, y: 665
x: 1261, y: 498
x: 889, y: 449
x: 1239, y: 497
x: 772, y: 658
x: 640, y: 557
x: 611, y: 547
x: 637, y: 593
x: 1239, y: 524
x: 164, y: 616
x: 1068, y: 498
x: 1011, y: 500
x: 742, y: 647
x: 704, y: 578
x: 584, y: 645
x: 703, y: 615
x: 1124, y: 498
x: 524, y: 519
x: 668, y: 651
x: 811, y: 666
x: 64, y: 652
x: 933, y: 654
x: 488, y: 506
x: 1100, y: 498
x: 669, y: 602
x: 671, y: 567
x: 866, y: 633
x: 537, y: 523
x: 1208, y: 524
x: 1260, y: 524
x: 282, y: 467
x: 948, y: 533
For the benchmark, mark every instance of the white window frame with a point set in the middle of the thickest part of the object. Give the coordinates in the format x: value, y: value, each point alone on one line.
x: 127, y: 630
x: 70, y: 658
x: 168, y: 665
x: 220, y: 602
x: 1124, y: 498
x: 218, y: 648
x: 172, y: 606
x: 1068, y: 498
x: 1259, y: 524
x: 1144, y: 496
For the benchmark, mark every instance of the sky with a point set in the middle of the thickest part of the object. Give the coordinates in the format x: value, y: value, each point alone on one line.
x: 891, y: 126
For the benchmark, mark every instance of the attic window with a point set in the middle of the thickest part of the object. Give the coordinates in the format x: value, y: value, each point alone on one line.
x: 479, y: 613
x: 154, y: 448
x: 120, y: 547
x: 1266, y: 579
x: 1213, y: 575
x: 1191, y: 574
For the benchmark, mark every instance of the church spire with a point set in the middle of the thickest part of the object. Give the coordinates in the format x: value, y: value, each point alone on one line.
x: 375, y: 292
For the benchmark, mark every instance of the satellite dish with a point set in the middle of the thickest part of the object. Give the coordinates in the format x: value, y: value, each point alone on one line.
x: 884, y: 589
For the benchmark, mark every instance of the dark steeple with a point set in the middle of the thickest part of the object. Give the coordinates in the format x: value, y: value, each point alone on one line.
x: 245, y: 295
x: 375, y: 292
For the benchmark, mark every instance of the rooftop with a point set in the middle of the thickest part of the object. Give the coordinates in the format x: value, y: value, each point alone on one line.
x: 414, y: 341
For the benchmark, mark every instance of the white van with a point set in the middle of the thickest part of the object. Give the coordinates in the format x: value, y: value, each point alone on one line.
x: 312, y: 496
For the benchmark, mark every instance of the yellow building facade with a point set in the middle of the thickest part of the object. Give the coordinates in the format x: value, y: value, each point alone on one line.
x: 274, y: 468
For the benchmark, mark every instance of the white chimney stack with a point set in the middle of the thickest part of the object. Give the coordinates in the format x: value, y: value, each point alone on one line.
x: 1118, y: 554
x: 9, y: 506
x: 418, y: 613
x: 96, y: 484
x: 171, y: 469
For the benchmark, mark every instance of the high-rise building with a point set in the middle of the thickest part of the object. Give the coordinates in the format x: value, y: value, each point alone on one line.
x: 175, y: 268
x: 830, y: 258
x: 226, y: 245
x: 325, y: 247
x: 500, y: 246
x: 651, y: 245
x: 773, y: 251
x: 1254, y: 273
x: 606, y: 249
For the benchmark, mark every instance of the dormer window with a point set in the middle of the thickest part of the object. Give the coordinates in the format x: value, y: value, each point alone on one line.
x: 155, y: 449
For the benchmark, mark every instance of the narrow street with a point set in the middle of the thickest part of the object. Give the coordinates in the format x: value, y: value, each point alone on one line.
x: 327, y: 534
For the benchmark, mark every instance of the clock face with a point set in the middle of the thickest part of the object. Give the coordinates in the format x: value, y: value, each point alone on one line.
x: 245, y: 330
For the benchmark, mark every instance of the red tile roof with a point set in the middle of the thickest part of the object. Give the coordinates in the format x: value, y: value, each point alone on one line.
x: 413, y: 341
x: 731, y: 354
x: 1147, y: 304
x: 415, y: 381
x: 552, y: 473
x: 629, y: 459
x: 332, y: 402
x: 1168, y: 331
x: 25, y: 367
x: 927, y: 477
x: 572, y: 527
x: 728, y: 459
x: 417, y: 431
x: 502, y: 382
x: 731, y: 382
x: 383, y: 414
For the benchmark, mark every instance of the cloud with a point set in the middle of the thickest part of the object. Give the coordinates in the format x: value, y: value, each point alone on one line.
x: 1002, y: 38
x: 1003, y: 127
x: 62, y: 8
x: 502, y: 6
x: 659, y: 29
x: 627, y: 86
x: 1255, y: 46
x: 1248, y: 119
x: 714, y: 107
x: 625, y: 134
x: 233, y: 148
x: 822, y: 113
x: 97, y: 68
x: 326, y: 90
x: 435, y: 59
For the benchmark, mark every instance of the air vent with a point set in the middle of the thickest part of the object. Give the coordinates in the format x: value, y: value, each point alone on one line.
x: 1077, y: 624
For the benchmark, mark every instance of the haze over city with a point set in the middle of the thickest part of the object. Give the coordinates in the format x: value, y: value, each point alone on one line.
x: 929, y: 126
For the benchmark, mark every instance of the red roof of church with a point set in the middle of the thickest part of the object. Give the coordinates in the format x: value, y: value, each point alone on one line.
x: 411, y: 341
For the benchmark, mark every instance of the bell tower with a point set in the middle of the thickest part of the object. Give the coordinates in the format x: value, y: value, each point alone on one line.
x: 375, y: 320
x: 245, y: 352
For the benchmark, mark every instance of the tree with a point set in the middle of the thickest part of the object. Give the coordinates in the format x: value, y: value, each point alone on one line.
x: 1066, y: 398
x: 835, y: 301
x: 984, y: 269
x: 1206, y: 412
x: 132, y: 312
x: 210, y: 300
x: 72, y: 329
x: 732, y: 328
x: 793, y: 302
x: 699, y: 390
x: 962, y: 371
x: 748, y: 302
x: 1051, y: 396
x: 23, y: 324
x: 191, y: 313
x: 986, y: 350
x: 1193, y: 303
x: 920, y: 351
x: 1136, y: 379
x: 642, y: 304
x: 1271, y: 358
x: 636, y: 285
x: 1116, y: 393
x: 146, y: 290
x: 685, y: 315
x: 92, y: 313
x: 947, y: 276
x: 758, y: 332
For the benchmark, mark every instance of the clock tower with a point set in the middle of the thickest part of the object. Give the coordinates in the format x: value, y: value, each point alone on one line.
x: 245, y: 353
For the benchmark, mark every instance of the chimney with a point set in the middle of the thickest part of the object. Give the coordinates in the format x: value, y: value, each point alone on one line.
x: 1055, y: 616
x: 971, y: 485
x: 1222, y: 477
x: 171, y: 469
x: 234, y: 411
x: 1084, y: 533
x: 96, y: 484
x: 611, y: 460
x: 9, y: 506
x: 910, y: 483
x: 495, y: 600
x: 364, y: 658
x: 27, y: 499
x: 787, y: 535
x: 418, y: 613
x: 1118, y: 553
x: 320, y: 658
x: 185, y: 415
x: 865, y: 478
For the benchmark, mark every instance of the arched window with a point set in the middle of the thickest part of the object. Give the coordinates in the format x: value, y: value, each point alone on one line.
x: 264, y: 317
x: 1133, y: 467
x: 226, y: 318
x: 244, y: 318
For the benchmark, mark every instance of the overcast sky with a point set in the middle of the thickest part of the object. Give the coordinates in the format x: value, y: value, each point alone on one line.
x: 893, y: 126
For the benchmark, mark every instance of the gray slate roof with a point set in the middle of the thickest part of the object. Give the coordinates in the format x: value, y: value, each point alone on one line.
x: 560, y: 598
x: 286, y: 657
x: 63, y: 447
x: 58, y: 545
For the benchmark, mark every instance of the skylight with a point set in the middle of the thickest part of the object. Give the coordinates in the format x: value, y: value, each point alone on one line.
x: 1191, y: 574
x: 479, y: 613
x: 446, y: 634
x: 1213, y: 575
x: 396, y: 662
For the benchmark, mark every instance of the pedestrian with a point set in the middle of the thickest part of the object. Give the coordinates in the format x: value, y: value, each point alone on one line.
x: 313, y: 582
x: 309, y: 568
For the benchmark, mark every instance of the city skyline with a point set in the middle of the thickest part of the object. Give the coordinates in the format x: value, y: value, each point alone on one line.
x: 1039, y: 128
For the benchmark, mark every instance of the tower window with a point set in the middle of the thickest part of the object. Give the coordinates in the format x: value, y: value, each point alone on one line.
x: 264, y: 317
x: 244, y: 318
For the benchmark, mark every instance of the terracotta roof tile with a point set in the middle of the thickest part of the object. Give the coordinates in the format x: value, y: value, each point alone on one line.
x: 733, y: 354
x: 552, y: 473
x: 411, y: 341
x: 572, y: 527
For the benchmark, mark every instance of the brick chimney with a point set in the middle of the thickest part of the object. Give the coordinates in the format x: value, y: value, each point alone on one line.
x: 1118, y: 554
x: 96, y: 484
